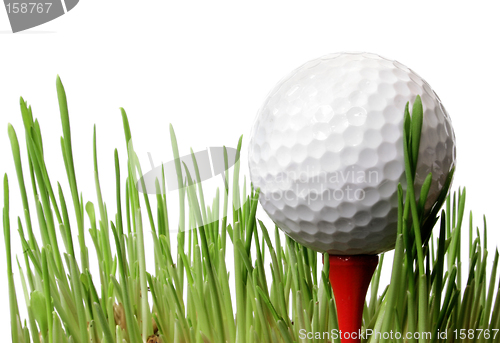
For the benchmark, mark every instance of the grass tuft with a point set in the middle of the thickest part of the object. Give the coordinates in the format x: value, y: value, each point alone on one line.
x: 187, y: 298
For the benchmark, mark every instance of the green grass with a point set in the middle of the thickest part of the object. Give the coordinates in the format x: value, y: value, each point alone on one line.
x: 190, y: 293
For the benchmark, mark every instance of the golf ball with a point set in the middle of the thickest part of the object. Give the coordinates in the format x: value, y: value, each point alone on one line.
x: 326, y: 151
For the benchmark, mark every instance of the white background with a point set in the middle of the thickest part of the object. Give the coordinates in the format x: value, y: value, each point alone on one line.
x: 206, y: 67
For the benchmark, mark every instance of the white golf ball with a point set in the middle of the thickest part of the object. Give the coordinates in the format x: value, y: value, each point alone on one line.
x: 326, y: 151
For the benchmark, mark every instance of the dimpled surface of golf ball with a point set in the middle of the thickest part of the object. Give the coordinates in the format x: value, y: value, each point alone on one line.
x: 326, y: 151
